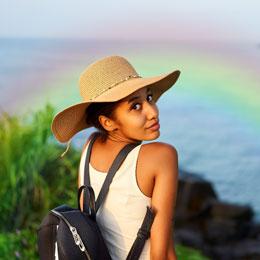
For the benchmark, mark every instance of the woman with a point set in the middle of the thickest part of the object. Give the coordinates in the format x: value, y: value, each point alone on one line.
x: 121, y: 104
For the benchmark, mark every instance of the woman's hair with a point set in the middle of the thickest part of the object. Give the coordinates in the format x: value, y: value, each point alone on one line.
x: 97, y: 109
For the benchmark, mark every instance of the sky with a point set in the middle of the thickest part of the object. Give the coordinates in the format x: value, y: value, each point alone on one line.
x: 216, y: 45
x: 201, y: 20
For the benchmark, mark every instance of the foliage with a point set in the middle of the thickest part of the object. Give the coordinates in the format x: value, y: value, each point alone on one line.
x: 185, y: 253
x: 33, y: 176
x: 18, y: 245
x: 34, y: 179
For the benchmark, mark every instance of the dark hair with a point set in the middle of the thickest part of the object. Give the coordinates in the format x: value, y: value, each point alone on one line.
x: 97, y: 109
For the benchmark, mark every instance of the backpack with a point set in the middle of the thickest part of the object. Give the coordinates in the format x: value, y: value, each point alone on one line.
x: 71, y: 234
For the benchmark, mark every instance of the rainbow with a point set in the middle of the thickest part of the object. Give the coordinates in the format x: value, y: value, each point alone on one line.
x: 224, y: 82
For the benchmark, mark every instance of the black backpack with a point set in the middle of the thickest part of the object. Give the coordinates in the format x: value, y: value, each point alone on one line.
x: 71, y: 234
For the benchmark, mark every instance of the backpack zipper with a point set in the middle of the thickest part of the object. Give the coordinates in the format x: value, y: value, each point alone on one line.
x: 75, y: 234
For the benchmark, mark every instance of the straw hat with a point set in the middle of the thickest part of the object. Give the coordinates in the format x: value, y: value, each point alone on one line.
x: 107, y: 80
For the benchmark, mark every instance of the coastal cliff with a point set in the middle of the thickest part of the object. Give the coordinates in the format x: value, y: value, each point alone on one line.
x: 221, y: 230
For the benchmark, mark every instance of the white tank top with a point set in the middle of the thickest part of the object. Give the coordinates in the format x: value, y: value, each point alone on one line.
x: 122, y: 212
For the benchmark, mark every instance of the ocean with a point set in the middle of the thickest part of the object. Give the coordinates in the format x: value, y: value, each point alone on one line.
x: 214, y: 127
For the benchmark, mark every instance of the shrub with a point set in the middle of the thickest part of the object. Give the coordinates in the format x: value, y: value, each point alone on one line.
x: 34, y: 178
x: 18, y: 245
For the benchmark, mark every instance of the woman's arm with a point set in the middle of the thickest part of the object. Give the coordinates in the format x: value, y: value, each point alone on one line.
x: 165, y: 162
x: 171, y: 249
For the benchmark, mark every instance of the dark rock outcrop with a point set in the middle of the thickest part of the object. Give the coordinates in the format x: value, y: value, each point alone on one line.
x: 219, y: 229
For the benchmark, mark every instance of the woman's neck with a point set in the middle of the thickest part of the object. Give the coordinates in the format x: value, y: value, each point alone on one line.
x: 119, y: 139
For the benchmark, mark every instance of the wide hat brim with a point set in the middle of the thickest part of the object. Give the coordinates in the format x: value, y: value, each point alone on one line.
x: 72, y: 119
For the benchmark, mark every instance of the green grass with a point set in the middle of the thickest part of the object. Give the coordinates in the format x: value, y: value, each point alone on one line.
x: 34, y: 179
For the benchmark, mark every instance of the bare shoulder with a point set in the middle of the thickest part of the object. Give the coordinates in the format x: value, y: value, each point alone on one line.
x: 159, y: 156
x: 159, y: 151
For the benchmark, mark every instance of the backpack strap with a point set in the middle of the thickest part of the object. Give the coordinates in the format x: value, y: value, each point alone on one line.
x: 110, y: 175
x: 142, y: 235
x: 86, y: 171
x: 112, y: 171
x: 86, y: 175
x: 144, y: 232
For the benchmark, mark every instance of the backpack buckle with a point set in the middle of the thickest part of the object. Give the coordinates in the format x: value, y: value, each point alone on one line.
x: 77, y: 238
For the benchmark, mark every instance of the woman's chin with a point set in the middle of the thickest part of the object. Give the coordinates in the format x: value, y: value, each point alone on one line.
x: 154, y: 136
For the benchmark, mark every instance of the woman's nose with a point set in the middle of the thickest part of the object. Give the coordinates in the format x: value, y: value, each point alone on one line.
x: 151, y: 110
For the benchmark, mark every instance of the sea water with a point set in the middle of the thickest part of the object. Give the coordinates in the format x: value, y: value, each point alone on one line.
x: 220, y: 147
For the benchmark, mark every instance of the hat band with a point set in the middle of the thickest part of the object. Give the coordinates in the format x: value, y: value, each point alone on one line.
x: 115, y: 84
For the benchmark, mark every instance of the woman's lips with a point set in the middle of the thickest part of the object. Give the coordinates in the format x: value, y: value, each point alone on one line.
x: 154, y: 127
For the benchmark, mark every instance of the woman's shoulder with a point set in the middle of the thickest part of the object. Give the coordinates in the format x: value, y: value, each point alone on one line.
x: 158, y: 154
x: 158, y: 149
x: 157, y: 163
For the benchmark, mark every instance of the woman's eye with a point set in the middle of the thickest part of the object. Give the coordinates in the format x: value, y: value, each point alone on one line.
x: 136, y: 106
x: 149, y: 98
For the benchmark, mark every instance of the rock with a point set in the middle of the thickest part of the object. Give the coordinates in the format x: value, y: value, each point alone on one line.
x: 193, y: 192
x: 247, y: 249
x: 219, y: 209
x: 244, y: 249
x: 254, y: 230
x: 221, y: 230
x: 189, y: 237
x: 221, y: 252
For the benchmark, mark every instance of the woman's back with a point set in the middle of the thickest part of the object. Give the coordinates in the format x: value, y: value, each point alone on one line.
x: 122, y: 213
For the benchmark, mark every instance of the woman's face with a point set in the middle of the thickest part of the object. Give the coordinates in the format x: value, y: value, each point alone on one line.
x: 136, y: 117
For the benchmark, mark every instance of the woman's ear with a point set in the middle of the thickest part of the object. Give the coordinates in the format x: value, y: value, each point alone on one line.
x: 107, y: 123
